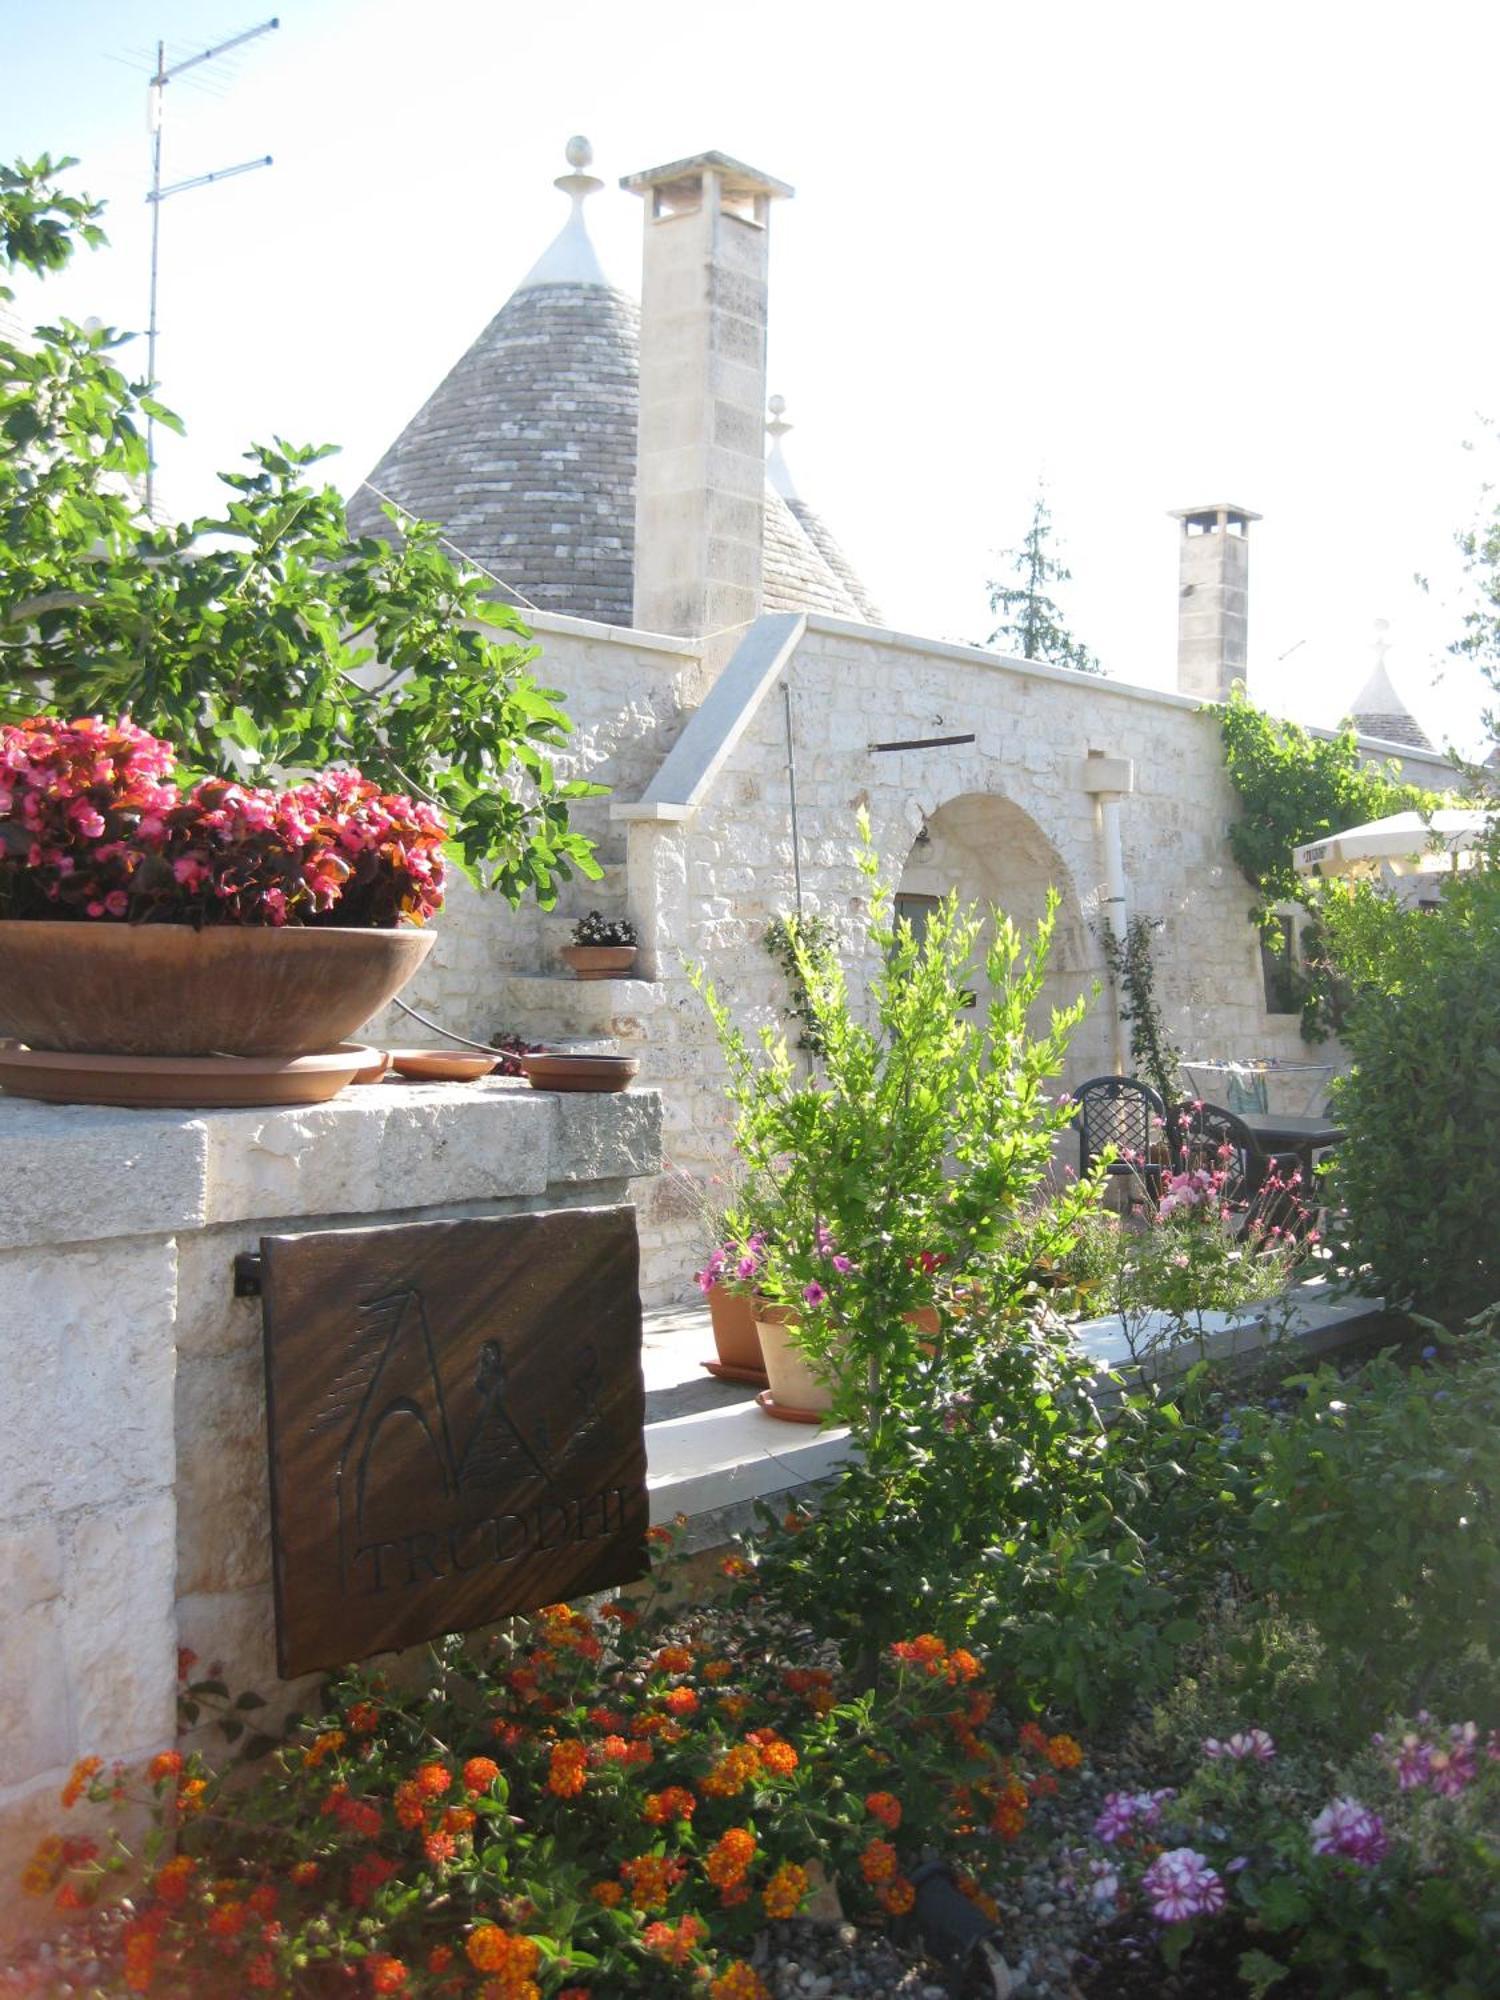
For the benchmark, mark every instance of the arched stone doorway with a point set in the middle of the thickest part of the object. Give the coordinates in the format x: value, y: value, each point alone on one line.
x: 994, y: 853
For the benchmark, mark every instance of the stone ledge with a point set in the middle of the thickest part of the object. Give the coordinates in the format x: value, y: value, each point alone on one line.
x: 85, y: 1172
x: 712, y: 1464
x: 95, y: 1173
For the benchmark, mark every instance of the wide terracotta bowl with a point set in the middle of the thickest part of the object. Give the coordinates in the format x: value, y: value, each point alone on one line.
x: 546, y: 1070
x: 168, y: 990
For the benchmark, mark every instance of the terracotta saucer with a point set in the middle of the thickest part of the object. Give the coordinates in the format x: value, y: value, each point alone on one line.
x: 725, y: 1371
x: 548, y: 1071
x: 442, y: 1065
x: 188, y: 1083
x: 788, y: 1413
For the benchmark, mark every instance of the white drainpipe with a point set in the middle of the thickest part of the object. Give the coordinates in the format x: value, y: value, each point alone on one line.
x: 1109, y: 779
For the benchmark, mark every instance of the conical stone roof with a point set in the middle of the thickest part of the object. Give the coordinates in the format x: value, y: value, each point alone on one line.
x: 525, y: 453
x: 1379, y: 710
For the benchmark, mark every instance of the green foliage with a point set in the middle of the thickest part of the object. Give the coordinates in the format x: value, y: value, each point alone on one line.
x: 1032, y: 625
x: 1419, y: 1174
x: 1376, y: 1520
x: 40, y: 225
x: 818, y: 940
x: 1132, y: 967
x: 1295, y: 787
x: 1075, y: 1553
x: 263, y: 640
x: 1251, y: 1663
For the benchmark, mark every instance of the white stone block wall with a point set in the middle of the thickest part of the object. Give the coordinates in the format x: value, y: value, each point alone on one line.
x: 134, y: 1509
x: 703, y: 887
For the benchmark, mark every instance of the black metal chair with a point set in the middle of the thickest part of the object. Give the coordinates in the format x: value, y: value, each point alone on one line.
x: 1122, y: 1112
x: 1208, y: 1136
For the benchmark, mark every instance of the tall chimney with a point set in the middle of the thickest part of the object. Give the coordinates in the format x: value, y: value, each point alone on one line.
x: 700, y: 470
x: 1213, y: 599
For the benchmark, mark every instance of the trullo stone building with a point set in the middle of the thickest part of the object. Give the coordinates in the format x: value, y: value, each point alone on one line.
x: 732, y: 682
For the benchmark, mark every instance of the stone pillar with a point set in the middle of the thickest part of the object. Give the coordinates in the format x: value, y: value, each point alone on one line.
x: 700, y: 479
x: 1213, y: 604
x: 134, y: 1508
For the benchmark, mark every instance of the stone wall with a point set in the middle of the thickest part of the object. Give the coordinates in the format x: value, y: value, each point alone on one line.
x: 1007, y: 815
x: 134, y: 1514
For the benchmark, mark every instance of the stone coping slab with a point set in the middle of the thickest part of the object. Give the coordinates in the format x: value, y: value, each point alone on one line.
x: 90, y: 1173
x: 711, y: 1452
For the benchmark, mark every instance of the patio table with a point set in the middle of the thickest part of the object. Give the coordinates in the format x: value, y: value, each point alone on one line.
x: 1276, y: 1132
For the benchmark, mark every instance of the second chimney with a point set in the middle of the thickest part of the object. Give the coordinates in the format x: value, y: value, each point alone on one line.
x: 1213, y: 581
x: 700, y: 469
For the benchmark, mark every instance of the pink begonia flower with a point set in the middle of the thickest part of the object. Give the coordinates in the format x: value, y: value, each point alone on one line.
x: 1180, y: 1885
x: 843, y: 1265
x: 814, y: 1293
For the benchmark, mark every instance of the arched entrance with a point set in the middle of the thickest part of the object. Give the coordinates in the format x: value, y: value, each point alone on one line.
x: 993, y: 853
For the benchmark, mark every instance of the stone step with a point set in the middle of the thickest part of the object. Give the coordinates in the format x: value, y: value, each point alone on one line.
x: 547, y: 1005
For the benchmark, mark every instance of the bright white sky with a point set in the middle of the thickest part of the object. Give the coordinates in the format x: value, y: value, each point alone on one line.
x: 1164, y: 253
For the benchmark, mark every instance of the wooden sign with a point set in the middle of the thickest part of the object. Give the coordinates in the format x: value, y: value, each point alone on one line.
x: 455, y: 1414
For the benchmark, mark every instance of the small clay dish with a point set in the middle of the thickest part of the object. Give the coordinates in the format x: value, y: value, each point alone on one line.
x: 442, y: 1065
x: 547, y: 1071
x: 376, y: 1068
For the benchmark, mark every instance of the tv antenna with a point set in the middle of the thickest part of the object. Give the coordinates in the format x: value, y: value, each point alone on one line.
x: 165, y: 72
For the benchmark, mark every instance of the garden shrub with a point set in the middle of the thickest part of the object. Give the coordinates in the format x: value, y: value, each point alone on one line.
x: 904, y: 1176
x: 1419, y: 1173
x: 1376, y: 1518
x: 1074, y: 1552
x: 1293, y: 787
x: 589, y: 1806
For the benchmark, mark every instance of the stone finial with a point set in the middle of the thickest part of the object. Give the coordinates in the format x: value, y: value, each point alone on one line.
x: 778, y: 472
x: 570, y: 258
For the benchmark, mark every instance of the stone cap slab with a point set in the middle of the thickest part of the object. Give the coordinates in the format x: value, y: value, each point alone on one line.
x: 84, y: 1173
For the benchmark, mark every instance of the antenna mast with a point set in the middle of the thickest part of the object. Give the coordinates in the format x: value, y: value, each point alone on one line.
x: 158, y: 194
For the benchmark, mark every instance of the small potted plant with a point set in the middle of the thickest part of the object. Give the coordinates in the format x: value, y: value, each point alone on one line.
x: 602, y: 948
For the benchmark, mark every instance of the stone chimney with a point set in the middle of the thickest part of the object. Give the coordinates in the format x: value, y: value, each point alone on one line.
x: 700, y: 477
x: 1213, y: 608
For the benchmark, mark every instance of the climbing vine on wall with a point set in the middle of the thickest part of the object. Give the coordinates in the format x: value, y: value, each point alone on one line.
x: 1132, y: 967
x: 1294, y: 787
x: 818, y: 940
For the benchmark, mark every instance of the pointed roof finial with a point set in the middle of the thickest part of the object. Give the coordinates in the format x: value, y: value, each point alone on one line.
x: 778, y: 472
x: 570, y: 258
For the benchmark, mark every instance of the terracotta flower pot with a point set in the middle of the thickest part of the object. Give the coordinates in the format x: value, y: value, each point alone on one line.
x: 736, y: 1338
x: 168, y: 990
x: 600, y: 961
x: 794, y: 1391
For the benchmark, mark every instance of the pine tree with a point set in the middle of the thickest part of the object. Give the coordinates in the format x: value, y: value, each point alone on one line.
x: 1032, y: 625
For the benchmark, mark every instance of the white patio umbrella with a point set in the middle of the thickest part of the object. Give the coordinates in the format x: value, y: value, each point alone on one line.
x: 1406, y: 842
